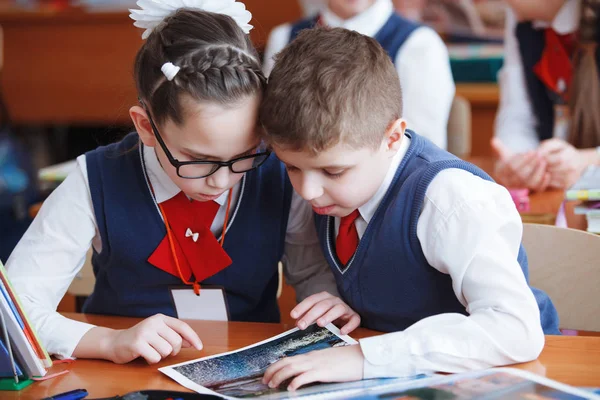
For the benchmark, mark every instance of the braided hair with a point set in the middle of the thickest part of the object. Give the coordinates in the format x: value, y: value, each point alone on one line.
x: 217, y: 62
x: 584, y: 94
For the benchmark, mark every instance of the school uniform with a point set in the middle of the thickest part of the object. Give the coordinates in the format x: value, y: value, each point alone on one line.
x: 418, y: 53
x: 535, y: 78
x: 111, y: 202
x: 440, y: 264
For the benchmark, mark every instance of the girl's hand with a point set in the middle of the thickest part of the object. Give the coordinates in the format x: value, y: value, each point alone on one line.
x: 565, y: 162
x: 153, y: 339
x: 521, y: 170
x: 325, y: 308
x: 338, y: 364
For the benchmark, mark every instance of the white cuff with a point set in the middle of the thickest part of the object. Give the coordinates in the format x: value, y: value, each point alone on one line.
x: 67, y: 334
x: 383, y: 360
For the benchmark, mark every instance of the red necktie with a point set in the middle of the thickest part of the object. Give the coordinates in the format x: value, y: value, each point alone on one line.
x: 556, y: 64
x: 198, y: 251
x: 347, y: 238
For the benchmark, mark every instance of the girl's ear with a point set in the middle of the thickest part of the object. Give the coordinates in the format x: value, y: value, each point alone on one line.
x: 142, y: 125
x: 394, y: 134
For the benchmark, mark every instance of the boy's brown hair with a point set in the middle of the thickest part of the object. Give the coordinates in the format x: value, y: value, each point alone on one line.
x: 330, y: 86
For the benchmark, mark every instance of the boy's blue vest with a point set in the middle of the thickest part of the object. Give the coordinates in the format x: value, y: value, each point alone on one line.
x: 131, y: 228
x: 531, y: 46
x: 388, y: 281
x: 391, y: 36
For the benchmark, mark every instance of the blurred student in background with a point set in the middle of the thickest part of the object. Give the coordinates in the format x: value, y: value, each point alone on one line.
x: 419, y: 55
x: 548, y: 124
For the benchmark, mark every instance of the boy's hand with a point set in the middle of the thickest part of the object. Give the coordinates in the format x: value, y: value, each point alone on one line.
x: 153, y: 339
x: 338, y: 364
x: 325, y: 308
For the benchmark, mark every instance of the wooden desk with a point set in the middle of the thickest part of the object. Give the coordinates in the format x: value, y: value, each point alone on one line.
x: 75, y: 66
x: 573, y: 360
x: 545, y: 204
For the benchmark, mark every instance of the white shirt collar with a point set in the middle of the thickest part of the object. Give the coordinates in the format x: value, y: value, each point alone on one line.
x: 164, y: 188
x: 367, y: 23
x: 368, y: 209
x: 567, y: 19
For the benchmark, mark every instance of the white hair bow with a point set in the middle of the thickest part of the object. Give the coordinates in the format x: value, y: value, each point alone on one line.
x: 153, y: 12
x: 193, y: 235
x: 170, y: 70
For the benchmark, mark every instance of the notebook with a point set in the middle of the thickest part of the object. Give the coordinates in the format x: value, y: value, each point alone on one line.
x: 587, y: 187
x: 27, y: 349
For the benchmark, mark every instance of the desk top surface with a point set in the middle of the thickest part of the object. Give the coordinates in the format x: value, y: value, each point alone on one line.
x: 573, y: 360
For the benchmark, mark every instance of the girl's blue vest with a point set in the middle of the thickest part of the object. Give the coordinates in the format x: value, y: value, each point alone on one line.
x: 131, y: 228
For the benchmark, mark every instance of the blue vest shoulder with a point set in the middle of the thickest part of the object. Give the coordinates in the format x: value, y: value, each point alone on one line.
x: 391, y: 36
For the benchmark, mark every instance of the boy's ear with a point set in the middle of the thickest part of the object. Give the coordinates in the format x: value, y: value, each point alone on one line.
x: 142, y: 125
x: 394, y: 134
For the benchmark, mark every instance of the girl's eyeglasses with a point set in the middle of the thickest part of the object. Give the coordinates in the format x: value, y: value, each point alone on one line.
x: 202, y: 169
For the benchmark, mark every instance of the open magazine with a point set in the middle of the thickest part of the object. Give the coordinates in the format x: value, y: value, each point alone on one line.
x: 238, y: 374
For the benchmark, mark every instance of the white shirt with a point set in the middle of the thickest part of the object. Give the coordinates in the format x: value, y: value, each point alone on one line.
x: 311, y: 7
x: 422, y: 63
x: 516, y: 122
x: 469, y: 228
x: 53, y: 250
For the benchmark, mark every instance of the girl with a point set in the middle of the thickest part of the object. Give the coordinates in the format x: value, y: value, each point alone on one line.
x: 548, y: 126
x: 188, y: 204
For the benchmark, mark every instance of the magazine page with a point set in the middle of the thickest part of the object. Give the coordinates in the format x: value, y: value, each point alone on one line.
x: 238, y: 374
x: 496, y: 384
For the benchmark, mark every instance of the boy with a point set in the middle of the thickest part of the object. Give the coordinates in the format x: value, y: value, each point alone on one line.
x: 426, y: 78
x: 421, y: 243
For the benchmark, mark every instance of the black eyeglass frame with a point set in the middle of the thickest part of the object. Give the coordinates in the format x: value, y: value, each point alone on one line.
x: 216, y: 164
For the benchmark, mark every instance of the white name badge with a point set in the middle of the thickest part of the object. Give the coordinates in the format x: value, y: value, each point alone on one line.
x: 210, y: 305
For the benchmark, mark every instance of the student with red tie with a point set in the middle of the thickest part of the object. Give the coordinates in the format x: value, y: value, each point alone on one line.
x: 423, y: 245
x: 190, y: 198
x: 548, y: 125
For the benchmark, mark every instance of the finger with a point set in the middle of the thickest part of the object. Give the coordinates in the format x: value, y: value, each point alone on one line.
x: 172, y: 338
x: 545, y: 182
x: 510, y: 169
x: 308, y: 303
x: 558, y: 183
x: 293, y: 369
x: 551, y: 145
x: 351, y: 325
x: 337, y: 311
x: 149, y: 353
x: 500, y: 150
x: 185, y: 331
x: 537, y: 176
x: 554, y: 159
x: 525, y: 169
x: 303, y: 379
x: 274, y: 368
x: 316, y: 312
x: 161, y: 346
x: 185, y: 344
x: 504, y: 175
